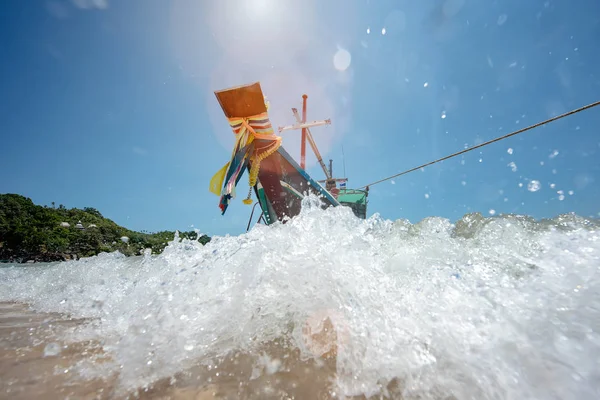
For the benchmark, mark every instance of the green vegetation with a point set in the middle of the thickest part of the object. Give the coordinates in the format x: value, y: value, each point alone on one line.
x: 41, y: 233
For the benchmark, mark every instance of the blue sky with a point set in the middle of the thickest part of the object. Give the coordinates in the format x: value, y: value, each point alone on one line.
x: 110, y: 104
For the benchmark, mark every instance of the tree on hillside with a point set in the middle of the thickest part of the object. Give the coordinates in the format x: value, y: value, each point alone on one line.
x: 92, y: 211
x: 32, y: 232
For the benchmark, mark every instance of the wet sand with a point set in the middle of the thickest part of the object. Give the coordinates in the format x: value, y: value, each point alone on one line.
x: 25, y: 371
x: 36, y: 362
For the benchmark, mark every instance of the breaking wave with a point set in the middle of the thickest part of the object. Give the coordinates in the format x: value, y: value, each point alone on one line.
x: 488, y: 308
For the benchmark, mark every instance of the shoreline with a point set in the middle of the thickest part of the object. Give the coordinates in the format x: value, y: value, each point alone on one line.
x: 37, y: 360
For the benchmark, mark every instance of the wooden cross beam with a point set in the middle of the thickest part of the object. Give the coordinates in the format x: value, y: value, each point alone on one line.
x: 304, y: 126
x: 313, y: 145
x: 301, y: 125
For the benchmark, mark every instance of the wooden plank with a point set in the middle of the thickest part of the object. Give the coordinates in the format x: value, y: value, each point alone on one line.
x: 242, y: 101
x: 304, y: 125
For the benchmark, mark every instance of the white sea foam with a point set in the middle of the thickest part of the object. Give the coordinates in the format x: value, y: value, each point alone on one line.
x: 487, y: 308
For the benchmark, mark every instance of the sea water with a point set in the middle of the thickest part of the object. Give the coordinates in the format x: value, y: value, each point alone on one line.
x: 486, y: 308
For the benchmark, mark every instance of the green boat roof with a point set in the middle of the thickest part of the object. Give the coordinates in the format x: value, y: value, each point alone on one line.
x: 352, y: 196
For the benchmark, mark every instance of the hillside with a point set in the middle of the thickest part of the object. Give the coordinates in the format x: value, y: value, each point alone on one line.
x: 42, y: 233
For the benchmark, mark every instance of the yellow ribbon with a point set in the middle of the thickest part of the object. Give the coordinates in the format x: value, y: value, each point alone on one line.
x: 244, y: 136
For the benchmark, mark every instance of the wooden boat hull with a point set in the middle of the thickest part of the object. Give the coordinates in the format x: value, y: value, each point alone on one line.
x: 282, y: 185
x: 279, y: 182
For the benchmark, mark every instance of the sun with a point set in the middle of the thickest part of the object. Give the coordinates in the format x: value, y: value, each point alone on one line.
x: 259, y: 8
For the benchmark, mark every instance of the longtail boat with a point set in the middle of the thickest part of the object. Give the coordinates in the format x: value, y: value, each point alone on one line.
x: 277, y: 180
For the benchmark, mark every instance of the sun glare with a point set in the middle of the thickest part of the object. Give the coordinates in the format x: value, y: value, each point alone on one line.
x: 235, y: 42
x: 259, y: 8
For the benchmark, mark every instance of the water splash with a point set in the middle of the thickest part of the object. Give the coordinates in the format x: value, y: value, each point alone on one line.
x: 471, y: 309
x: 534, y: 186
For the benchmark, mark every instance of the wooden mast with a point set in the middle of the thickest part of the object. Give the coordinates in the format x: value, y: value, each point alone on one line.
x: 303, y: 143
x: 306, y: 135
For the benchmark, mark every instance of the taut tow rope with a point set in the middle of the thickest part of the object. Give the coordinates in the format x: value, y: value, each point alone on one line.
x: 486, y: 143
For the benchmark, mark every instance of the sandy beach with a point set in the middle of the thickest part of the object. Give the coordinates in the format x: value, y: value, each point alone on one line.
x: 35, y: 362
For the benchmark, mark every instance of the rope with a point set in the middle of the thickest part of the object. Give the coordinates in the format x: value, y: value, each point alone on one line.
x: 251, y: 215
x: 486, y: 143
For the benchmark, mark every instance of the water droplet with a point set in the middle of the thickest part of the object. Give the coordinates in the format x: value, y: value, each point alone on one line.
x: 51, y: 349
x: 520, y: 184
x: 552, y: 185
x: 571, y: 193
x: 553, y: 154
x: 368, y: 30
x: 383, y: 31
x: 464, y: 183
x: 513, y: 166
x: 426, y: 84
x: 510, y: 150
x: 393, y: 182
x: 534, y: 186
x: 426, y: 195
x: 502, y: 19
x: 492, y: 212
x: 443, y: 114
